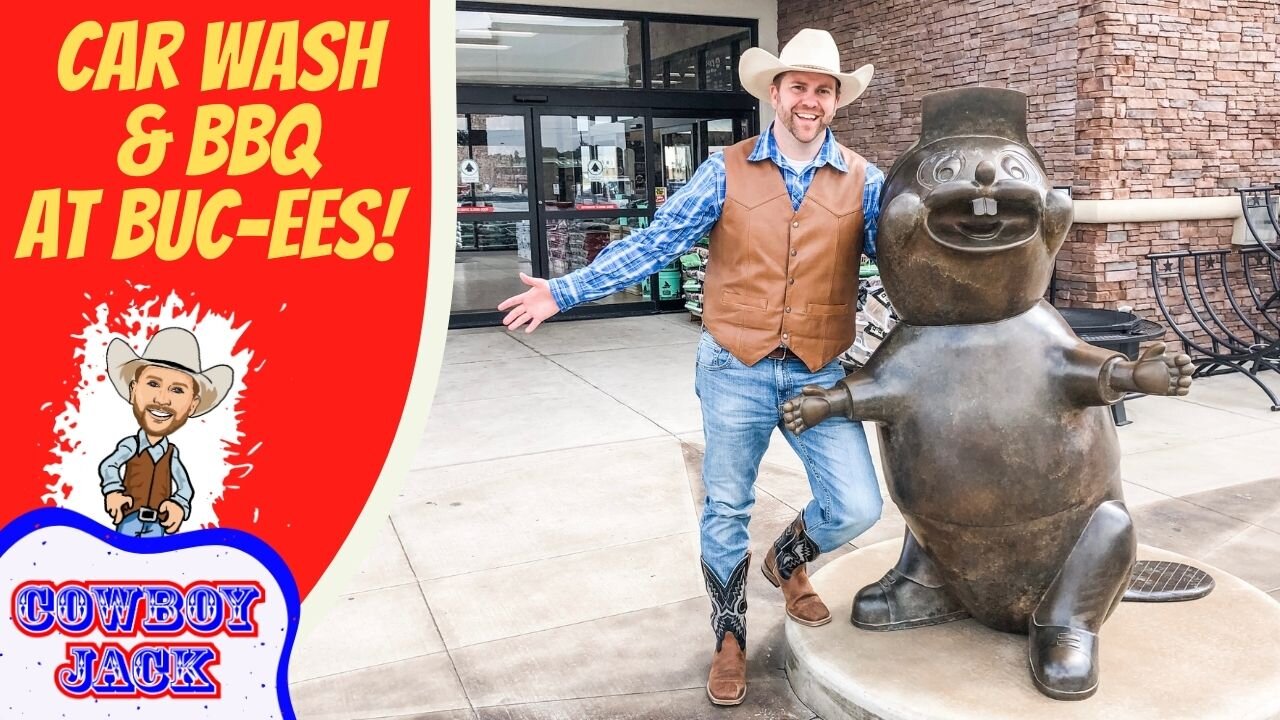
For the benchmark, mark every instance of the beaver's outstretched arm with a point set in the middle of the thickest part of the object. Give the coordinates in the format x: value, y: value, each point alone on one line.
x: 1094, y: 376
x: 858, y: 396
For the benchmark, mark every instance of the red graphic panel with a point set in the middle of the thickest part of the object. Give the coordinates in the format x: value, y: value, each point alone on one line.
x: 256, y: 174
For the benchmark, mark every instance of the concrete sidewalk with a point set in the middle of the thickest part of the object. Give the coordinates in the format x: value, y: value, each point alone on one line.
x: 543, y: 559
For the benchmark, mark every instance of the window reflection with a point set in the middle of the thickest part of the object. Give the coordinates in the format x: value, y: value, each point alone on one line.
x: 573, y: 244
x: 493, y: 171
x: 695, y: 57
x: 486, y: 270
x: 593, y: 163
x: 519, y: 49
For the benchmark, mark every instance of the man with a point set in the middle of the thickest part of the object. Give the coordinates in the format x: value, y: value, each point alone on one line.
x: 145, y: 488
x: 789, y: 214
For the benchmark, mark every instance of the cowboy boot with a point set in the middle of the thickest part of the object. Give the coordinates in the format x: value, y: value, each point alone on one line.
x: 727, y: 681
x: 785, y: 567
x: 912, y: 594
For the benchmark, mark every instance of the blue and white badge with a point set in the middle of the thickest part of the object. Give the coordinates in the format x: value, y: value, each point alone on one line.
x: 194, y: 625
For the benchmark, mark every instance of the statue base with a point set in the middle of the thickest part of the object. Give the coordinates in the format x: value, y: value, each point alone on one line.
x: 1216, y: 657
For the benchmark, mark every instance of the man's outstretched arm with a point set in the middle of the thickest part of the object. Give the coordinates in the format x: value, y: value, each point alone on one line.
x: 678, y: 224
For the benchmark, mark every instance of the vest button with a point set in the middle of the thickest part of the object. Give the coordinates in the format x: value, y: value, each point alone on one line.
x: 786, y: 335
x: 791, y: 281
x: 795, y: 223
x: 793, y: 253
x: 788, y: 309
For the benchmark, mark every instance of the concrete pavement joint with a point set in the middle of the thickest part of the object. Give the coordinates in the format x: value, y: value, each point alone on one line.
x: 370, y: 667
x: 452, y: 664
x: 606, y: 697
x: 663, y: 433
x: 556, y: 557
x: 1206, y: 442
x: 606, y: 393
x: 574, y: 624
x: 1190, y: 399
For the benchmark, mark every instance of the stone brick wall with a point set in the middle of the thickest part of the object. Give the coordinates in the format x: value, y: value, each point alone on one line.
x: 919, y: 47
x: 1177, y: 98
x: 1141, y: 99
x: 1183, y: 97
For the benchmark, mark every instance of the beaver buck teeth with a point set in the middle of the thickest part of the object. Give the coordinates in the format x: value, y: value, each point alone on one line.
x: 984, y: 206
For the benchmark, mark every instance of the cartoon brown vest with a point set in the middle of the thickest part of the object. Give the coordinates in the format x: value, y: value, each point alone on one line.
x: 149, y: 482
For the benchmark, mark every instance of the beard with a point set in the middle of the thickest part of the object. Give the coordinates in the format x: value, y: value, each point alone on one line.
x: 155, y: 426
x: 801, y: 130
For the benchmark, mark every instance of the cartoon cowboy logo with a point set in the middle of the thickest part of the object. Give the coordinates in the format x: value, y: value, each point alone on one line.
x: 146, y: 489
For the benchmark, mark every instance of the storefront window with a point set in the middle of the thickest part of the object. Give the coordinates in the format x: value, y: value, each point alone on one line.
x: 574, y: 243
x: 695, y: 57
x: 684, y: 144
x: 491, y: 255
x: 593, y: 162
x: 517, y: 49
x: 493, y: 173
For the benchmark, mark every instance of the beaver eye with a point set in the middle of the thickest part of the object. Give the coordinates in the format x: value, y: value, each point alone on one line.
x: 948, y: 168
x: 1014, y: 167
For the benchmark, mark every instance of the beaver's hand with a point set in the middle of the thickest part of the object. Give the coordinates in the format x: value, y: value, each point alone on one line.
x: 815, y: 405
x: 1158, y: 372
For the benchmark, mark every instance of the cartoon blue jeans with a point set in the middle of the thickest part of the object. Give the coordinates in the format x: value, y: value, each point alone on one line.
x: 132, y: 525
x: 739, y: 412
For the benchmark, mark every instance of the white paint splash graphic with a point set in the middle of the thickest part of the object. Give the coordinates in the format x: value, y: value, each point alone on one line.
x: 97, y: 418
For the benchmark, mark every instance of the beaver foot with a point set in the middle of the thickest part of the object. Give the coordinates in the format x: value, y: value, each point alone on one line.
x: 1064, y: 661
x: 896, y: 602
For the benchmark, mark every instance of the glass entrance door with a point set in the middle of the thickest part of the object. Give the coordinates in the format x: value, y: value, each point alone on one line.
x: 545, y: 190
x: 684, y: 143
x: 494, y: 240
x: 594, y: 189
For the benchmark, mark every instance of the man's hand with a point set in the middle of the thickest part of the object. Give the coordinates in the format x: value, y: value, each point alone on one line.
x: 815, y: 405
x: 171, y: 516
x: 531, y: 306
x: 1155, y: 372
x: 117, y: 504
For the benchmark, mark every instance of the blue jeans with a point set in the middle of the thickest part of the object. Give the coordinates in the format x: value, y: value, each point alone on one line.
x: 132, y: 526
x: 739, y: 412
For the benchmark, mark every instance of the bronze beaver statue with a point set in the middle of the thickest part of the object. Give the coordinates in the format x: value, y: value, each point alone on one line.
x: 997, y: 443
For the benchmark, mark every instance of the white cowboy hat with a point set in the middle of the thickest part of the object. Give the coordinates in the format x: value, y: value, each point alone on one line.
x: 809, y: 51
x: 172, y: 348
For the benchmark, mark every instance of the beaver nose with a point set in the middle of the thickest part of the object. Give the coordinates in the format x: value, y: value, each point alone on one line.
x: 985, y: 173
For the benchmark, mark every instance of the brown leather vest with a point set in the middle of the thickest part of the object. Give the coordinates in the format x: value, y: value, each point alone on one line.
x: 148, y: 483
x: 783, y: 277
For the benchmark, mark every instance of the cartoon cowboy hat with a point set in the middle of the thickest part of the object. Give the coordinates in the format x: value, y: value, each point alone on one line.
x: 171, y: 348
x: 809, y: 51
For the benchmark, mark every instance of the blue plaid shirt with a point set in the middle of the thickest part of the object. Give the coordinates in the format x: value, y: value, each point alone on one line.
x: 690, y: 214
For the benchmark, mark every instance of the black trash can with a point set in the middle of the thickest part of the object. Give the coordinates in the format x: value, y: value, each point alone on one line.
x: 1114, y: 330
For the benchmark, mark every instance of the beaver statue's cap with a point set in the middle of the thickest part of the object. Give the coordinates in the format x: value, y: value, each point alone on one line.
x: 970, y: 112
x: 995, y: 112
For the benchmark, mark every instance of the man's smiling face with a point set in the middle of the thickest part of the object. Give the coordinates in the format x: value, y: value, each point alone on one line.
x: 804, y: 102
x: 163, y: 399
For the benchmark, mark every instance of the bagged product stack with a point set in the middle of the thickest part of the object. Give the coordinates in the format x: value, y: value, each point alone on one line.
x: 693, y: 269
x: 558, y: 247
x: 875, y: 319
